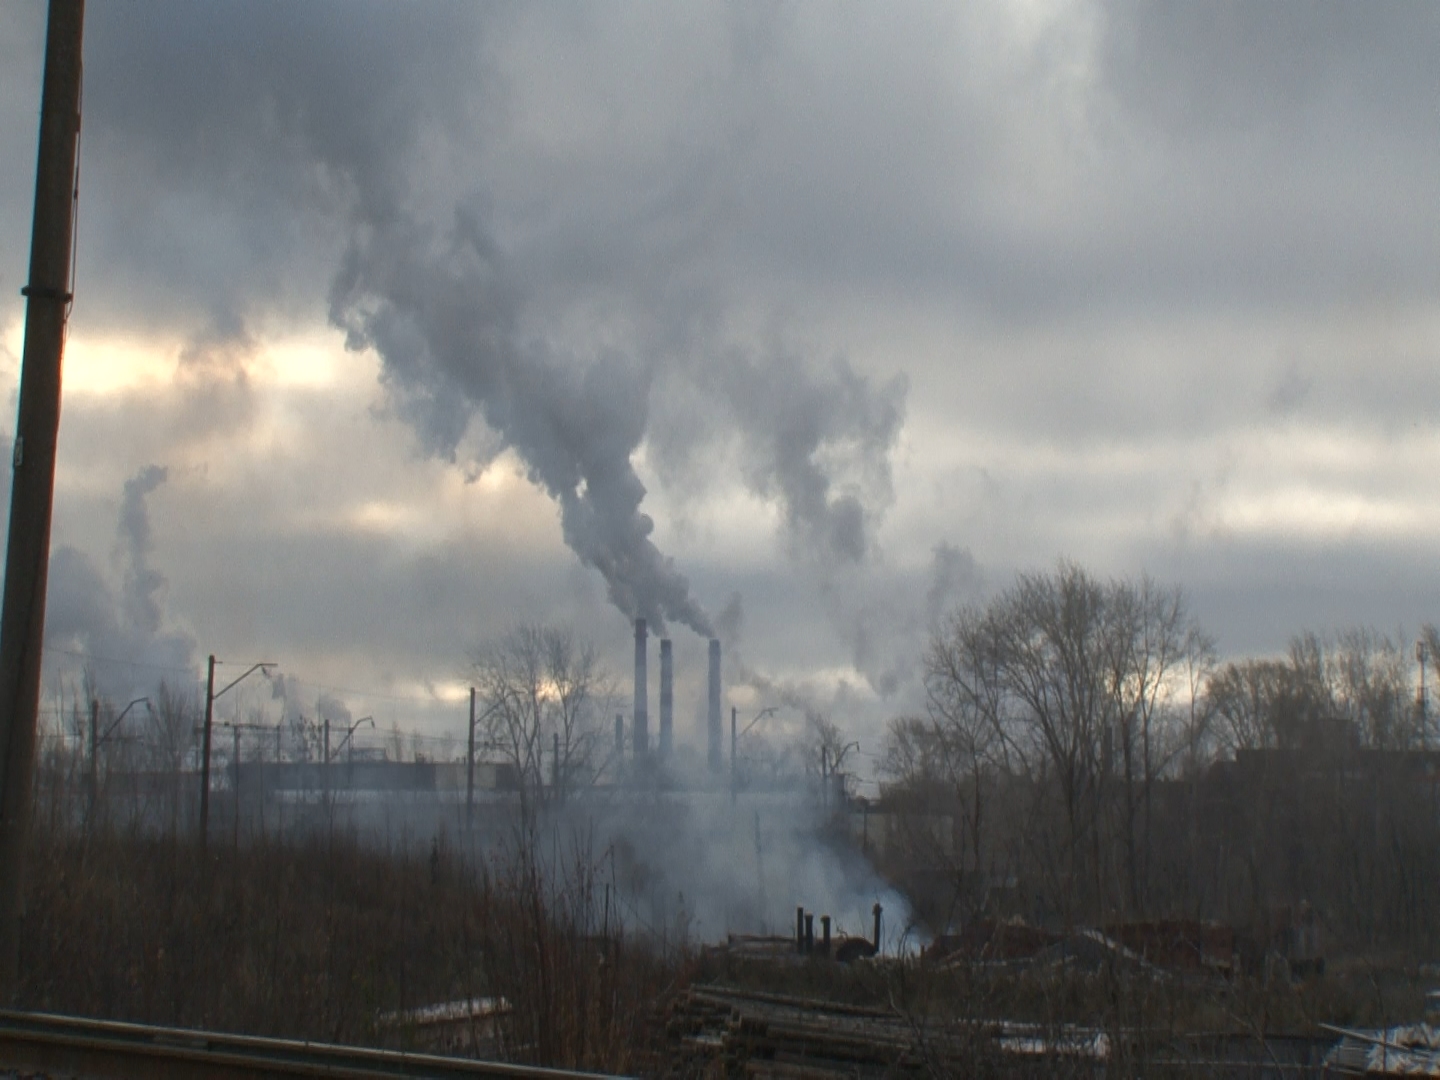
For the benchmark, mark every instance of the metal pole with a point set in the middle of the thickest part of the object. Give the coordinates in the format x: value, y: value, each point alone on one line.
x: 205, y: 754
x: 235, y: 730
x: 734, y: 739
x: 470, y: 767
x: 1421, y: 654
x: 93, y: 780
x: 22, y: 616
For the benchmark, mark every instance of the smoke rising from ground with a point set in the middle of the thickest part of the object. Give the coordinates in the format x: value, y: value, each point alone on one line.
x: 740, y: 867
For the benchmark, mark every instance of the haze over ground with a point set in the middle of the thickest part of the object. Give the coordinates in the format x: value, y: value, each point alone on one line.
x: 395, y: 324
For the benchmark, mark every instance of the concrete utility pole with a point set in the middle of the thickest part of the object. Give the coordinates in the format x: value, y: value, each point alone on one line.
x: 734, y: 740
x: 205, y: 753
x: 235, y: 731
x: 210, y: 695
x: 1422, y: 654
x: 27, y: 560
x: 92, y: 784
x: 470, y: 767
x: 96, y: 739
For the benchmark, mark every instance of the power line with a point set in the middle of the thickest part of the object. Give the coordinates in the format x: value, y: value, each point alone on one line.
x: 52, y: 649
x: 194, y: 672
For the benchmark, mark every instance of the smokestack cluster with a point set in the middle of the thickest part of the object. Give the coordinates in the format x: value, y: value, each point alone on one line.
x: 712, y: 724
x: 640, y: 726
x: 667, y: 699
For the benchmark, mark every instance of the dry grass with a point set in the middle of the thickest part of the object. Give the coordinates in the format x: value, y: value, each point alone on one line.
x: 314, y: 938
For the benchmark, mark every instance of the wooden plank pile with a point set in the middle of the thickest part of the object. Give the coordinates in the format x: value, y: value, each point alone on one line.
x: 717, y: 1032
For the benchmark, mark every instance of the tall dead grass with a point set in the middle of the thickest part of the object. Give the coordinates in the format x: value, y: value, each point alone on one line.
x: 317, y: 937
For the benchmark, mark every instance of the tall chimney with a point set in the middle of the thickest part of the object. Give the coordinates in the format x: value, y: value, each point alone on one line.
x: 667, y: 699
x: 717, y: 761
x: 640, y: 726
x: 619, y: 736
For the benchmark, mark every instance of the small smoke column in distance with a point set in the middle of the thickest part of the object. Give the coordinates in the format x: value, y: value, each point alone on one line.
x: 713, y: 715
x: 640, y: 726
x: 667, y: 699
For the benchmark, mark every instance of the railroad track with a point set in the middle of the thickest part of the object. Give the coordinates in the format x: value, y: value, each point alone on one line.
x: 74, y: 1046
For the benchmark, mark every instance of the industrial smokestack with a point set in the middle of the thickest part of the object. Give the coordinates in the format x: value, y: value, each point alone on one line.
x: 667, y: 699
x: 717, y: 761
x: 619, y: 736
x: 640, y: 726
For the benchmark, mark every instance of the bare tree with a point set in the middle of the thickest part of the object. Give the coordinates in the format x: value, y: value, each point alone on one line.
x: 1243, y: 697
x: 1071, y: 686
x: 1370, y: 676
x: 1355, y: 686
x: 542, y: 695
x: 171, y: 740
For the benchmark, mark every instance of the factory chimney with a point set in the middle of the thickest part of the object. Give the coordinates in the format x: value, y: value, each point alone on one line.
x: 667, y: 699
x: 717, y: 761
x: 619, y: 737
x: 640, y: 726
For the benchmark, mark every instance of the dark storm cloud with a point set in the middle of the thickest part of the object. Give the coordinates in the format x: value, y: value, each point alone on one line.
x: 627, y: 243
x: 204, y: 200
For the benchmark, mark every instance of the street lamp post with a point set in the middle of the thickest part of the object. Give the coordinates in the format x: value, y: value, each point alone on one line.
x: 769, y: 710
x: 1422, y: 654
x: 330, y: 755
x: 210, y: 695
x: 830, y: 768
x: 470, y: 756
x: 235, y: 728
x: 350, y: 754
x: 96, y: 739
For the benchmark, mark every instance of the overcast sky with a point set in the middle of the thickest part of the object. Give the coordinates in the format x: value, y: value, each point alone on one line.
x: 399, y: 324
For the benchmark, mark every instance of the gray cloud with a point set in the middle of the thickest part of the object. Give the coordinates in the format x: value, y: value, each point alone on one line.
x: 1096, y: 239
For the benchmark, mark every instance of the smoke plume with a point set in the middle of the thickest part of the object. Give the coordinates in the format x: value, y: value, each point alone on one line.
x: 124, y: 636
x: 443, y: 314
x: 819, y: 443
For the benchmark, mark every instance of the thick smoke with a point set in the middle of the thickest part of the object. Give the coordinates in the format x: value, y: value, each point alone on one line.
x: 442, y: 313
x: 954, y: 575
x: 140, y: 593
x: 819, y: 443
x: 382, y: 123
x: 125, y: 637
x: 713, y: 866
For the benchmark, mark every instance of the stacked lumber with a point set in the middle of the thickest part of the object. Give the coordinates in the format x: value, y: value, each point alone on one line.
x: 717, y: 1032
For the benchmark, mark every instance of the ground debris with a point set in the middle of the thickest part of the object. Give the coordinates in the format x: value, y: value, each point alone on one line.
x: 712, y: 1031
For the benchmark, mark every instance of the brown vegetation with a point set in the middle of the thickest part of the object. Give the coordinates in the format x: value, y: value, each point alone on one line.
x: 1086, y: 761
x: 317, y: 938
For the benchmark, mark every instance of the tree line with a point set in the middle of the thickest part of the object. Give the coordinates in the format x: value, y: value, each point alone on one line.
x: 1094, y: 760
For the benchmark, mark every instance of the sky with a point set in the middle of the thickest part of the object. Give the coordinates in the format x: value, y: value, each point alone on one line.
x: 398, y: 325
